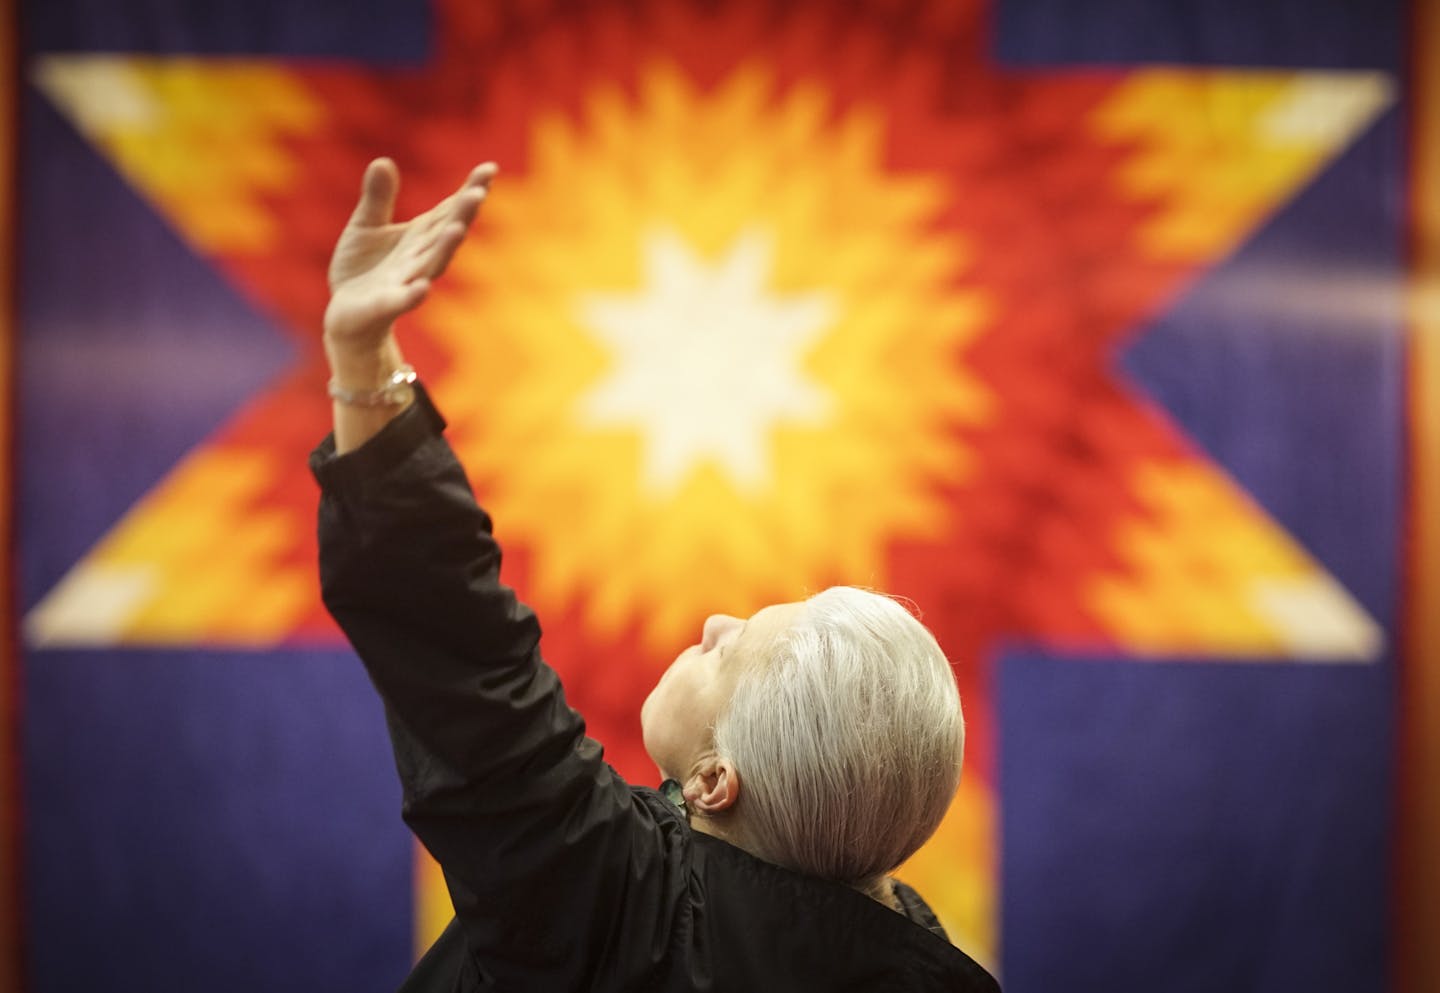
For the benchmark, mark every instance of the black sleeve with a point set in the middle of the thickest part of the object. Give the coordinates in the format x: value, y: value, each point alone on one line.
x: 540, y: 840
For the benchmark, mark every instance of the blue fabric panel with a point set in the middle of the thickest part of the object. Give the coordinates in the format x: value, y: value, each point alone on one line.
x: 1338, y: 34
x: 222, y: 822
x: 1184, y: 827
x: 386, y: 30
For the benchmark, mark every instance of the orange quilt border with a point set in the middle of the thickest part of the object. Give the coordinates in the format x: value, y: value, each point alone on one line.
x: 1418, y: 827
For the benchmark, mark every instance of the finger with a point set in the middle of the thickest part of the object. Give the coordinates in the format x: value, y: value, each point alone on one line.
x: 414, y: 293
x: 423, y: 227
x: 459, y: 209
x: 461, y: 205
x: 420, y: 246
x: 404, y: 298
x: 450, y: 241
x: 377, y: 194
x: 481, y: 176
x: 467, y: 205
x: 435, y: 256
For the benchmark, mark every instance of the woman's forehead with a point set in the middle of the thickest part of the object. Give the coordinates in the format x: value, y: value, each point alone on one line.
x: 767, y: 622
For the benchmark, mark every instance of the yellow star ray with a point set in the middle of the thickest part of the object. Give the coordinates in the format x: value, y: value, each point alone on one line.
x: 163, y: 121
x: 160, y: 578
x: 1211, y: 573
x: 1223, y: 149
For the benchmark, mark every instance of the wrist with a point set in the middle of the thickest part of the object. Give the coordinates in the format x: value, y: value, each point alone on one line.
x: 363, y: 366
x: 365, y: 397
x: 397, y: 391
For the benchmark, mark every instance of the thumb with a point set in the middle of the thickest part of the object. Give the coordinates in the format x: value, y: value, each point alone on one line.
x: 377, y: 194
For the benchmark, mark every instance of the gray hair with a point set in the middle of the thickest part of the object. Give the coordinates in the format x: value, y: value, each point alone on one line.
x: 847, y: 735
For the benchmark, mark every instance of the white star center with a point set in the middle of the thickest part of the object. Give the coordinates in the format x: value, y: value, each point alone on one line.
x: 706, y: 359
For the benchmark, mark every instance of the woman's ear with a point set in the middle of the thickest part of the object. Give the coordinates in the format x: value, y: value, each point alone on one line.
x: 713, y: 788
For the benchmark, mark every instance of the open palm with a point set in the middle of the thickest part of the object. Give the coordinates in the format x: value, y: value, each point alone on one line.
x: 381, y: 268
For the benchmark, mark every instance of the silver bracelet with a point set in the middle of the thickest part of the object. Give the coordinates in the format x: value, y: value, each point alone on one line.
x: 395, y: 392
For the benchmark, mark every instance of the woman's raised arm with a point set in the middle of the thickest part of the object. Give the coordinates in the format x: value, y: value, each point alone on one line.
x: 548, y: 854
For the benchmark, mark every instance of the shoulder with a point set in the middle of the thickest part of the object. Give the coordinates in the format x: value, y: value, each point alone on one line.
x: 914, y: 907
x: 761, y: 926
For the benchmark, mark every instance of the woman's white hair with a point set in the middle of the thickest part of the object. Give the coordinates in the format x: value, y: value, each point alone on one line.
x: 847, y: 735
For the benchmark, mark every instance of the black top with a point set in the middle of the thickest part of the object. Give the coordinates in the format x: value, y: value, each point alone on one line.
x: 563, y: 876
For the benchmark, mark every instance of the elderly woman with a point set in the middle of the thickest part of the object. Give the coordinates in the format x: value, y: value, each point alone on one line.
x: 807, y: 750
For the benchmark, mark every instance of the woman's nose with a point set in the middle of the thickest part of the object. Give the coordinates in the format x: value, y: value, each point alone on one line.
x: 715, y: 626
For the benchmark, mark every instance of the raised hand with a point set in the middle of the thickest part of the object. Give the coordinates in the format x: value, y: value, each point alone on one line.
x: 379, y: 271
x: 380, y: 268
